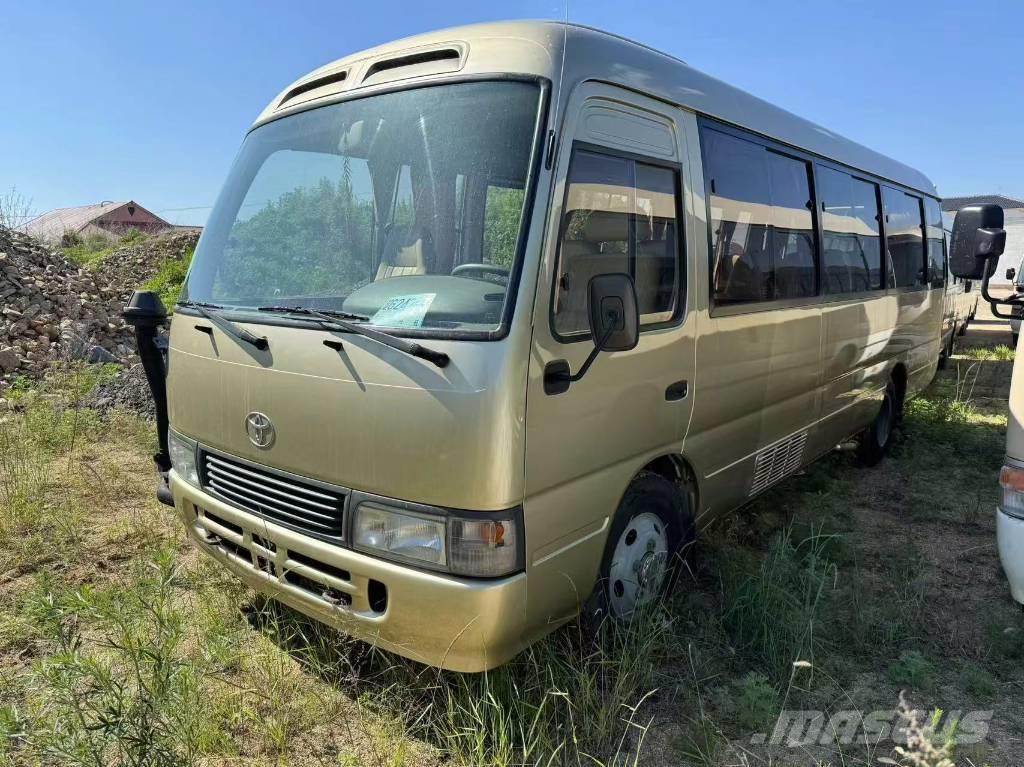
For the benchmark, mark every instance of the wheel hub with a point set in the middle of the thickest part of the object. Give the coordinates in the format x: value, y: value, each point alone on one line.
x: 638, y: 565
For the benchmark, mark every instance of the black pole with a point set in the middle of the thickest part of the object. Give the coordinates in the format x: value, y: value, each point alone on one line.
x: 146, y: 313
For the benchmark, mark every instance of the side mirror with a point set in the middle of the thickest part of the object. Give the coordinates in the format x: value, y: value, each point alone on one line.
x: 1011, y: 273
x: 978, y: 239
x: 614, y: 315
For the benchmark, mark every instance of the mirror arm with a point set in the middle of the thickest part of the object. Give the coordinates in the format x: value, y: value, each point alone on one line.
x: 574, y: 377
x: 997, y: 302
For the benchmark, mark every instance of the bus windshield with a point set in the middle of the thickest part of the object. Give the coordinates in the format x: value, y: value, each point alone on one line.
x: 405, y: 208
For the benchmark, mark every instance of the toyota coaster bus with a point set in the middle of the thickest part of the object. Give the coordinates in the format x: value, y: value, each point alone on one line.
x: 486, y: 323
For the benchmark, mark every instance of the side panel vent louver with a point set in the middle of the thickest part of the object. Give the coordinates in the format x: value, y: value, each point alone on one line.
x: 778, y: 461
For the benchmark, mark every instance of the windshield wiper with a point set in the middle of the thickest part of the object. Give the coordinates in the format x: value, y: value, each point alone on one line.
x: 341, y: 320
x: 212, y: 313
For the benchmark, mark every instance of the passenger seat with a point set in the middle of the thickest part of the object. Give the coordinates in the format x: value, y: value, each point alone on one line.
x: 404, y: 254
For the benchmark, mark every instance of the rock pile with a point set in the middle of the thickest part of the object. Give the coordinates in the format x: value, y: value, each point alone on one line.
x: 53, y: 310
x: 128, y: 390
x: 128, y: 267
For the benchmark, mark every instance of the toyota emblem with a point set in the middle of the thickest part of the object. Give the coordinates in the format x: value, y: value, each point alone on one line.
x: 260, y: 429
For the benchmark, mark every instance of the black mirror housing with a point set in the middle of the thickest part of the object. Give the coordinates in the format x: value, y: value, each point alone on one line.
x: 614, y: 312
x: 1011, y: 273
x: 978, y: 239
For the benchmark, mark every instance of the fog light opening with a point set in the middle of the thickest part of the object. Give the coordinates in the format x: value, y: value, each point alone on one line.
x: 377, y: 593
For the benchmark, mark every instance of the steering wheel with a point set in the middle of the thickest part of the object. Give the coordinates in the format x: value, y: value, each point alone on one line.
x: 479, y: 271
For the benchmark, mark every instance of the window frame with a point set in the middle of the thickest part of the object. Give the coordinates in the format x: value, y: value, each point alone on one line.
x: 883, y: 254
x: 680, y: 310
x: 715, y: 308
x: 927, y: 254
x: 925, y: 261
x: 705, y: 122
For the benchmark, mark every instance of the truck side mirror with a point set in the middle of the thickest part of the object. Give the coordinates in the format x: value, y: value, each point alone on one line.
x: 614, y: 318
x: 978, y: 240
x: 1011, y: 273
x: 614, y: 315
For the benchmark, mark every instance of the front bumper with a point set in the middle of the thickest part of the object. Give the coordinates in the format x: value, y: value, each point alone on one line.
x: 1010, y: 535
x: 459, y: 624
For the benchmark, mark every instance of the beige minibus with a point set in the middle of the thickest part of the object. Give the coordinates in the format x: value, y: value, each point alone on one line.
x: 487, y: 323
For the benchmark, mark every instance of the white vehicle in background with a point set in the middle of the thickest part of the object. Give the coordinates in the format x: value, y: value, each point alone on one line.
x: 1016, y: 278
x: 978, y: 241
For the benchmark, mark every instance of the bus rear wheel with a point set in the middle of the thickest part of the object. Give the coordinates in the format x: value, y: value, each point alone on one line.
x: 876, y: 439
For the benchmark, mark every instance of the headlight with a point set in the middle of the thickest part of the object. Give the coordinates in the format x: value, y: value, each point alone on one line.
x: 479, y: 545
x: 1011, y: 479
x: 401, y: 535
x: 183, y: 457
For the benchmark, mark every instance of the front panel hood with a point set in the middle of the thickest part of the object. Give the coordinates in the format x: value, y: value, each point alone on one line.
x: 366, y: 417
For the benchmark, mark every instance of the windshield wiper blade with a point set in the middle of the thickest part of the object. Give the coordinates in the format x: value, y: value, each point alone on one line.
x: 211, y: 312
x: 332, y: 313
x: 340, y: 320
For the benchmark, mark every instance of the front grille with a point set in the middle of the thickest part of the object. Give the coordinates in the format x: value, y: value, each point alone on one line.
x: 298, y: 504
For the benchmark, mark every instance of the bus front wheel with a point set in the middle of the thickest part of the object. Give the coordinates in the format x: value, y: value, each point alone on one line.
x: 651, y: 532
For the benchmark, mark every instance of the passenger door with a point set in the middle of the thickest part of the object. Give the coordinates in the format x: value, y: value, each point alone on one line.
x: 758, y: 353
x: 618, y: 206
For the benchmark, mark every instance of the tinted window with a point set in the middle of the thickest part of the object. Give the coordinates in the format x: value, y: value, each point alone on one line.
x: 851, y: 252
x: 762, y: 222
x: 740, y: 212
x: 792, y: 227
x: 904, y: 232
x: 620, y: 216
x: 936, y: 243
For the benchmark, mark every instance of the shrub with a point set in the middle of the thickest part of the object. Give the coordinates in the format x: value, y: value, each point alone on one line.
x: 170, y: 278
x: 913, y: 670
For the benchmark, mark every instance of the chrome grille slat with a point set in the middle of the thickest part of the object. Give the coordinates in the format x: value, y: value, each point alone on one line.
x: 254, y: 488
x: 264, y: 505
x: 215, y: 461
x: 284, y: 499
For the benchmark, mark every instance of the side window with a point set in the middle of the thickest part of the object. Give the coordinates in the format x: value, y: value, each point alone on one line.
x: 737, y: 173
x: 904, y: 233
x: 792, y: 227
x: 851, y: 246
x: 620, y: 216
x: 762, y: 222
x: 936, y: 243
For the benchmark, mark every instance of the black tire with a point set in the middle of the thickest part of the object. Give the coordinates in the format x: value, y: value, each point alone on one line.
x: 648, y: 493
x: 876, y: 439
x: 947, y: 351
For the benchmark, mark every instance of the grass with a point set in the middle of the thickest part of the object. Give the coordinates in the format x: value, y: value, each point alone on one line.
x: 90, y: 250
x: 1001, y: 353
x: 119, y: 644
x: 168, y: 280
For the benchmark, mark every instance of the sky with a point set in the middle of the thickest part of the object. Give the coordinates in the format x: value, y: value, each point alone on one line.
x: 150, y: 101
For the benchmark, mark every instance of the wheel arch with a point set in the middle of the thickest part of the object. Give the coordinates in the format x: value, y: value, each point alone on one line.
x: 677, y: 470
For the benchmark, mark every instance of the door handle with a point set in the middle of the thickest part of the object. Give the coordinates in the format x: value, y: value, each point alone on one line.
x: 676, y: 391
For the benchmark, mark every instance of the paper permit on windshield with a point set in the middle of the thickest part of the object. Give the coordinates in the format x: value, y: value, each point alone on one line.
x: 404, y: 311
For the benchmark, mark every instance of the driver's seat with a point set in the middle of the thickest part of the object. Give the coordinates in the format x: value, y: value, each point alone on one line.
x: 404, y: 254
